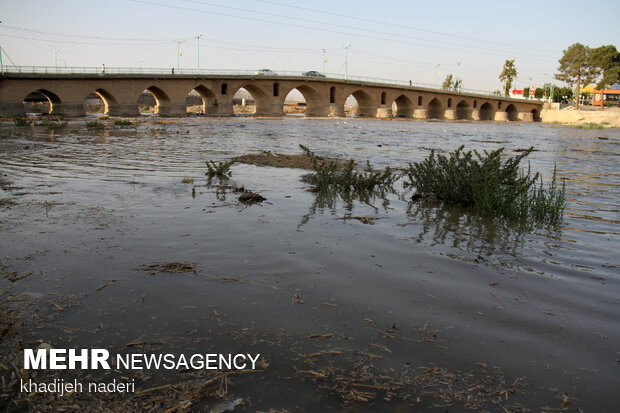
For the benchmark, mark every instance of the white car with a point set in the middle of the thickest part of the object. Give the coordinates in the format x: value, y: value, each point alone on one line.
x: 265, y: 72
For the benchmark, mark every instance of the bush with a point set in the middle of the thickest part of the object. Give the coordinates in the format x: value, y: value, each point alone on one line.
x: 22, y: 122
x: 221, y: 169
x: 344, y: 178
x: 122, y: 122
x: 488, y: 185
x: 52, y: 125
x: 95, y: 125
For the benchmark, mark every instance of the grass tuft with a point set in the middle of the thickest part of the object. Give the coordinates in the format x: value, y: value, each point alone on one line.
x: 95, y: 125
x: 52, y: 125
x: 22, y: 122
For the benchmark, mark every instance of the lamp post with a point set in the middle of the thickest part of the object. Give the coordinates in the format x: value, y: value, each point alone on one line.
x: 179, y: 54
x: 323, y: 61
x: 346, y: 63
x: 198, y: 38
x: 437, y: 77
x: 458, y: 76
x: 550, y: 83
x: 56, y: 58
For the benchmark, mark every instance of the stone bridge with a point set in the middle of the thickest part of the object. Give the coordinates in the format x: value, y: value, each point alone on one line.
x: 324, y: 96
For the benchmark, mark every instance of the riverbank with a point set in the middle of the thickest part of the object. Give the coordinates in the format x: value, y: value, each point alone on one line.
x: 610, y: 117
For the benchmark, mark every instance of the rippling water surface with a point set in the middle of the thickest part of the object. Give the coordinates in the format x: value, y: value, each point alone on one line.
x: 89, y: 209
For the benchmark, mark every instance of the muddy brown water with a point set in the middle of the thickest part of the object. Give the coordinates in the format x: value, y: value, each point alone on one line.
x: 84, y: 211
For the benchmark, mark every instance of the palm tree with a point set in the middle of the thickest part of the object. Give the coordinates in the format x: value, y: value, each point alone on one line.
x: 508, y: 75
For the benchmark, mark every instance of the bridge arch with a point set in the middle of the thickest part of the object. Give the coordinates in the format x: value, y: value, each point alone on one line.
x: 435, y: 109
x: 209, y: 100
x: 487, y: 112
x: 536, y: 115
x: 463, y: 110
x: 512, y: 112
x: 107, y: 99
x: 365, y: 104
x: 404, y: 107
x: 314, y: 102
x: 32, y: 101
x: 162, y: 101
x: 261, y: 98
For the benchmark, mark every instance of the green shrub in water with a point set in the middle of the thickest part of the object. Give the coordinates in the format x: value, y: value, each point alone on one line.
x: 220, y: 169
x: 344, y: 178
x: 22, y: 122
x: 488, y: 185
x: 95, y: 125
x: 52, y: 125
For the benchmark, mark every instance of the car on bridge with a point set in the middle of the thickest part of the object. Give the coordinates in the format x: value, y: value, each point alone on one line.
x: 265, y: 72
x: 313, y: 73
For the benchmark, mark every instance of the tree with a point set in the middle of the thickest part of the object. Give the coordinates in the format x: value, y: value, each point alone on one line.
x: 575, y: 68
x: 458, y: 83
x: 539, y: 93
x: 508, y: 75
x: 447, y: 84
x: 526, y: 92
x: 607, y: 60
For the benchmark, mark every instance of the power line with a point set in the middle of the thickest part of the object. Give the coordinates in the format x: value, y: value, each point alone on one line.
x: 330, y: 13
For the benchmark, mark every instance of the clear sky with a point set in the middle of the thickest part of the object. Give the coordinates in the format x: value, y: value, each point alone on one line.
x: 402, y: 40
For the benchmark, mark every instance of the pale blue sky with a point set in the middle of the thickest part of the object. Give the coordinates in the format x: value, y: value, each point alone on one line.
x: 389, y: 39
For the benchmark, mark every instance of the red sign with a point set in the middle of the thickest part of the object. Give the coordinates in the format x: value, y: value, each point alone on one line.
x: 517, y: 92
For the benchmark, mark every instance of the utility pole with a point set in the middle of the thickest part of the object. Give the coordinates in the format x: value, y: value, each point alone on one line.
x: 437, y: 76
x: 346, y: 62
x: 198, y: 38
x: 458, y: 76
x: 323, y: 61
x: 56, y: 58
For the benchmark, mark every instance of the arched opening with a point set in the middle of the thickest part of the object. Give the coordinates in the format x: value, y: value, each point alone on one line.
x: 224, y: 89
x: 40, y: 102
x: 463, y: 110
x: 435, y: 109
x: 201, y: 101
x: 449, y: 102
x: 512, y: 112
x: 99, y: 101
x: 487, y: 112
x: 276, y: 89
x: 383, y: 97
x: 304, y: 99
x: 420, y: 100
x: 536, y: 115
x: 295, y: 103
x: 332, y: 94
x: 475, y: 104
x: 404, y: 107
x: 359, y: 103
x: 154, y: 101
x: 499, y: 105
x: 250, y: 99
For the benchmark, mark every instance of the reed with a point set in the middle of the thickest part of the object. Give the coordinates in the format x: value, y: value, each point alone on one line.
x: 220, y: 169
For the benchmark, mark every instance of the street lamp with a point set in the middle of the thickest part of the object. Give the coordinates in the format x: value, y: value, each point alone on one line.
x: 198, y: 38
x: 179, y: 54
x: 346, y: 63
x: 458, y: 76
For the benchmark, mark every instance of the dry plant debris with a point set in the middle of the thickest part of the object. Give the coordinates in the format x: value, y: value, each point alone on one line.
x: 171, y: 267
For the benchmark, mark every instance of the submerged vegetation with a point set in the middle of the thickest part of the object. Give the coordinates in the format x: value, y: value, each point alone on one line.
x: 123, y: 123
x: 95, y: 125
x: 53, y: 125
x: 220, y: 169
x: 334, y: 176
x: 487, y: 185
x: 22, y: 122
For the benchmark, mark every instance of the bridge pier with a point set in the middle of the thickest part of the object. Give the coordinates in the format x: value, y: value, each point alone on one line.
x: 501, y: 116
x: 335, y: 110
x: 384, y: 112
x: 9, y: 109
x: 420, y: 114
x: 475, y: 114
x: 450, y: 114
x: 526, y: 117
x: 175, y: 110
x: 125, y: 110
x: 68, y: 109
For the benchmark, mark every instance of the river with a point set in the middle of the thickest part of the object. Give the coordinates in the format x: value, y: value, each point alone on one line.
x: 426, y: 308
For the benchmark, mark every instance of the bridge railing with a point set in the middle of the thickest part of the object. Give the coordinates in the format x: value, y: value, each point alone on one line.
x: 103, y: 70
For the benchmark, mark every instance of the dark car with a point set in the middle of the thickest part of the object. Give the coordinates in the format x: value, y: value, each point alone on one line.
x: 313, y: 73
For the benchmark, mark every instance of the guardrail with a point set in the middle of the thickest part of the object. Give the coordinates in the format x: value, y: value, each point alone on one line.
x: 103, y: 70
